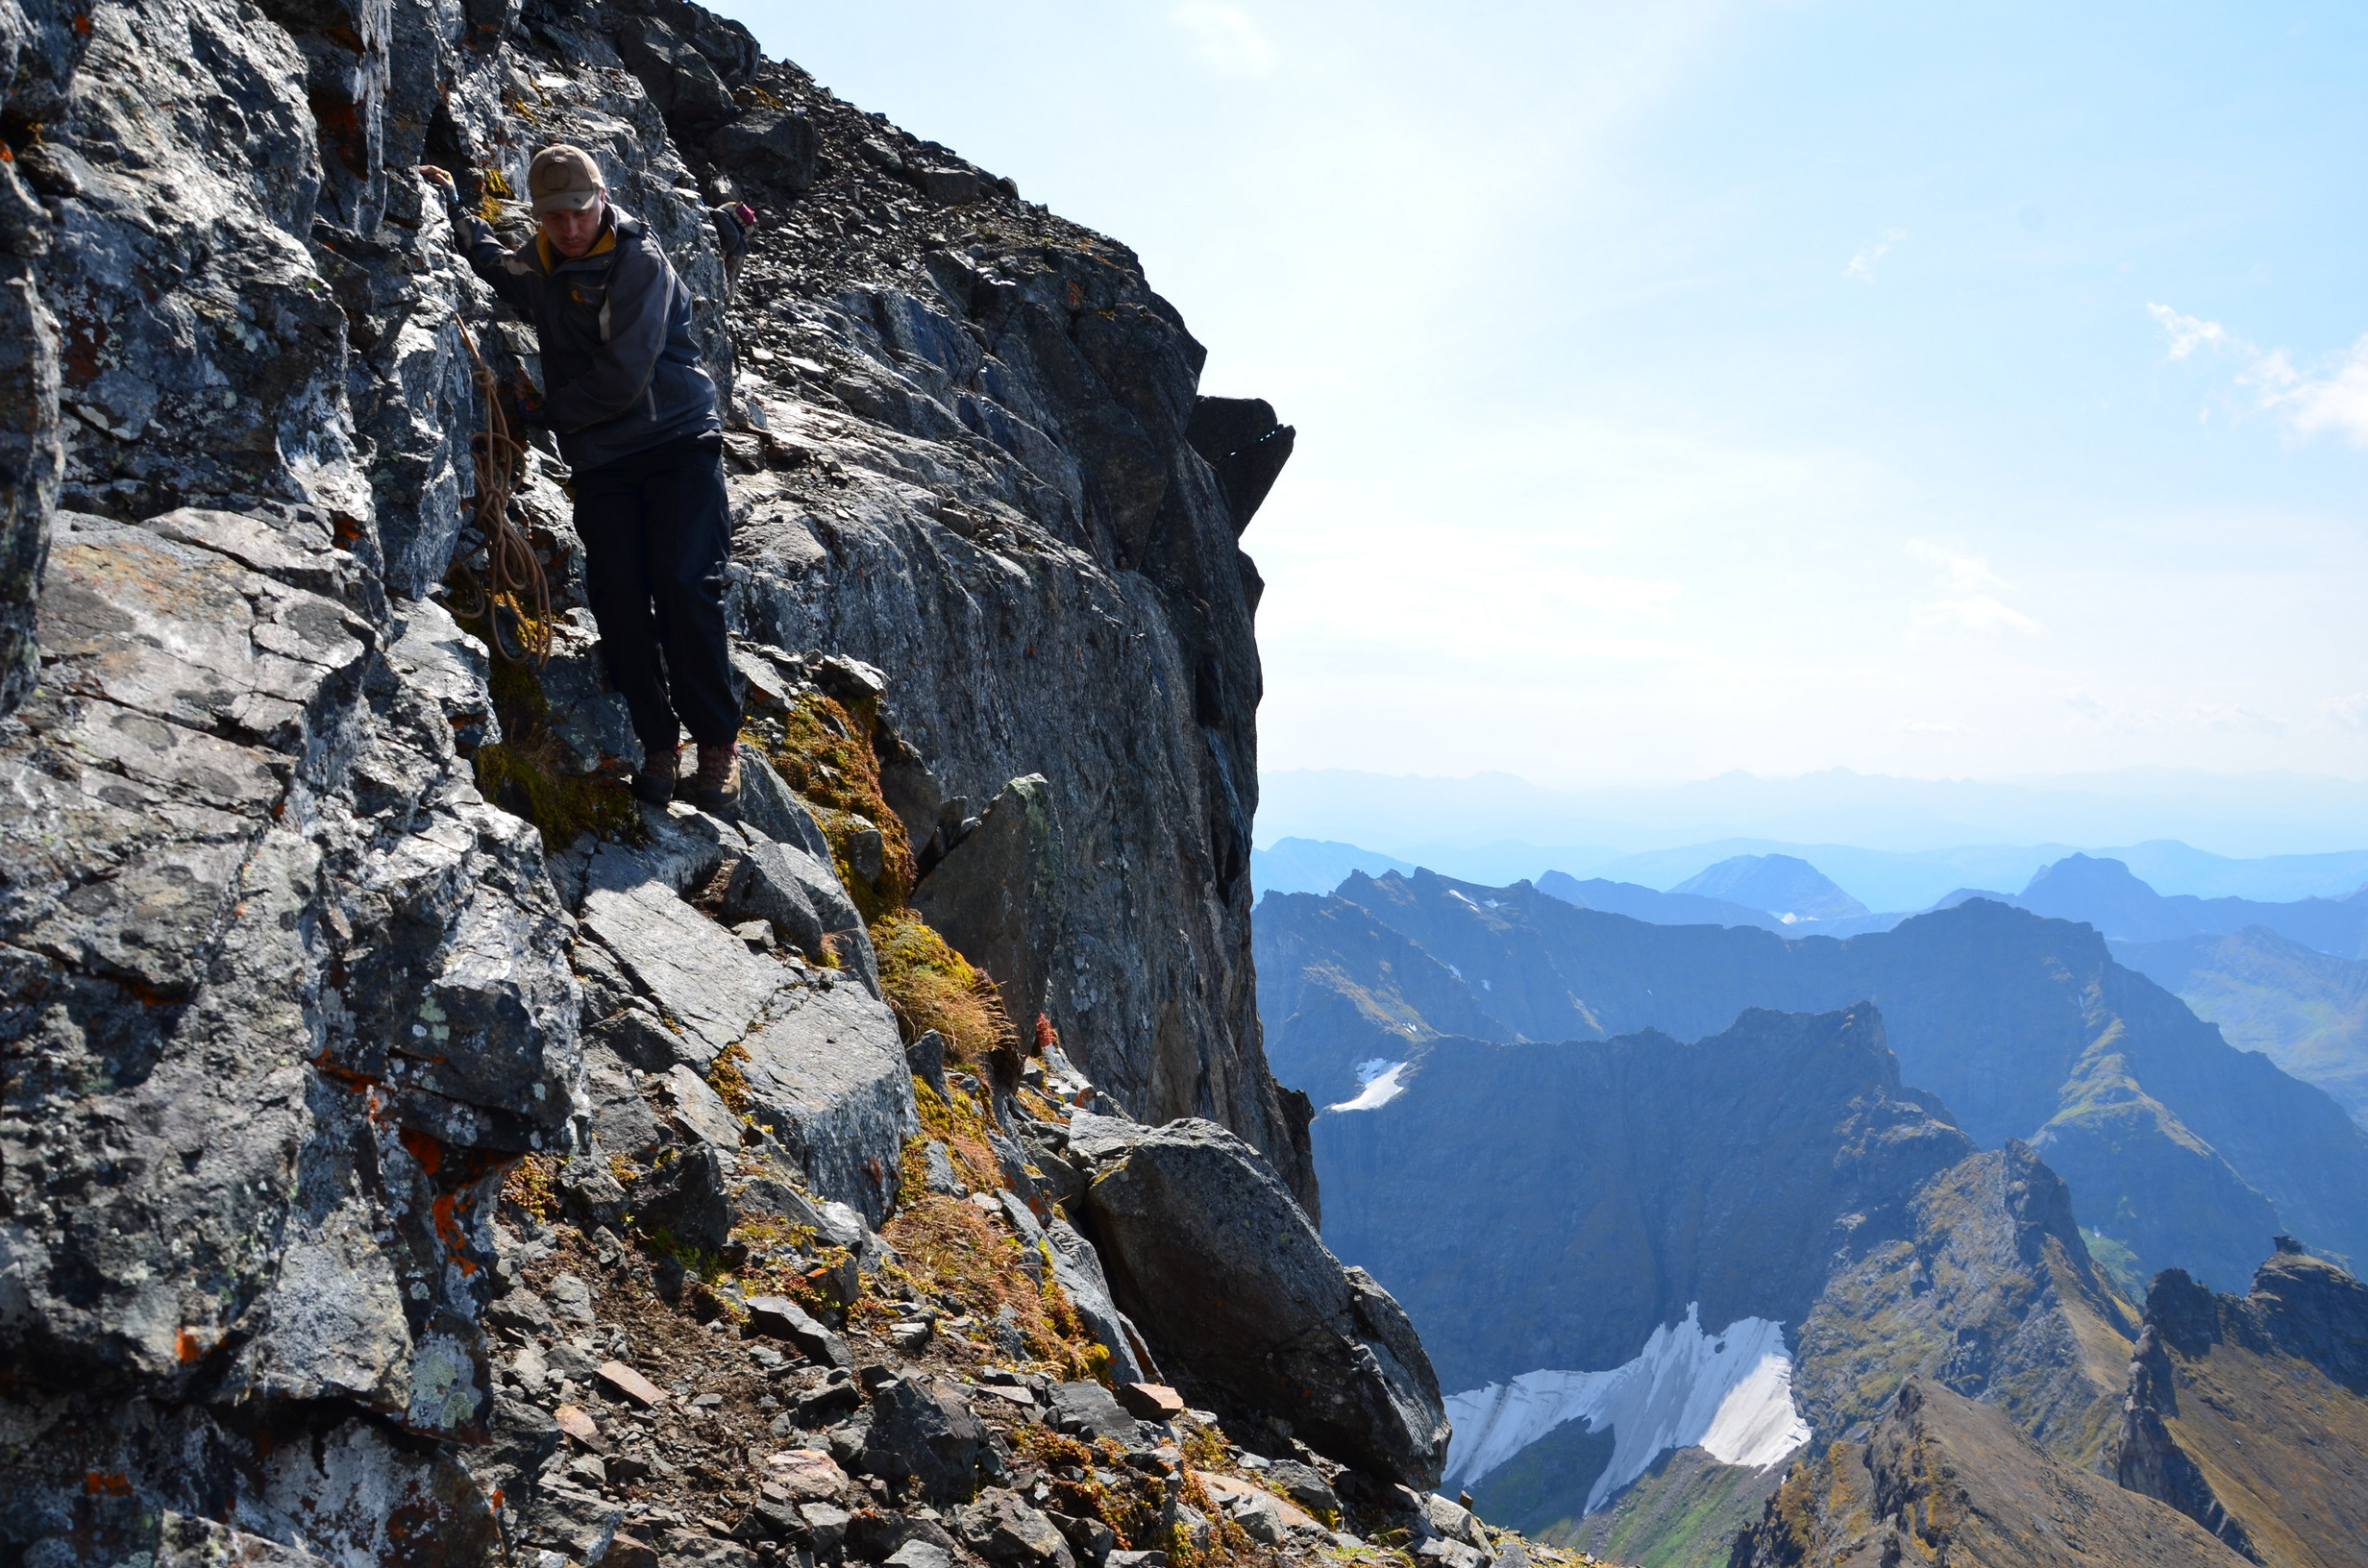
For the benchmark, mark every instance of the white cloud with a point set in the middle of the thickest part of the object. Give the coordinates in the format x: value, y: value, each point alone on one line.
x: 2350, y: 712
x: 1934, y: 727
x: 1226, y: 38
x: 1960, y: 571
x: 2238, y: 719
x: 2334, y: 399
x: 1968, y: 606
x: 2187, y: 334
x: 1863, y: 265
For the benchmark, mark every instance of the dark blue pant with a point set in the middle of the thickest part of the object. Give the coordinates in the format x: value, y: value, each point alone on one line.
x: 656, y: 533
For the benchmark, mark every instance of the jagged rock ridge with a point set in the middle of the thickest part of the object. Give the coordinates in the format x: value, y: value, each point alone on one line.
x: 2249, y: 1414
x: 2240, y: 1441
x: 1943, y: 1478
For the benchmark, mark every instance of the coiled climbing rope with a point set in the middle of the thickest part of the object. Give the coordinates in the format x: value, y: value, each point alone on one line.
x: 511, y: 596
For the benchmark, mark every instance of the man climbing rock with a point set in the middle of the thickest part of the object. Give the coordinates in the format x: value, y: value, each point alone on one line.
x: 635, y: 418
x: 735, y: 222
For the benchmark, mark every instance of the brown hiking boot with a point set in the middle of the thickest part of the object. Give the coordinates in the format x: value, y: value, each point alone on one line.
x: 715, y: 788
x: 653, y: 783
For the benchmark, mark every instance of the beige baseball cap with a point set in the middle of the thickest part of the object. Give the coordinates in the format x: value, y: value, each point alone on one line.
x: 564, y: 179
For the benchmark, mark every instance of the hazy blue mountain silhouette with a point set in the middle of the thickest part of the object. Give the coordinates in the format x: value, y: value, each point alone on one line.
x: 1642, y: 903
x: 1780, y: 884
x: 2106, y: 894
x: 1315, y: 865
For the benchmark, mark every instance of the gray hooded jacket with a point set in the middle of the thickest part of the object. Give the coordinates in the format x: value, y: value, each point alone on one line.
x: 620, y: 372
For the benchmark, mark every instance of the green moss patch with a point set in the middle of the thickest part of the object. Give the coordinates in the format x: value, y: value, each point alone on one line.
x: 521, y: 773
x: 822, y: 751
x: 931, y: 986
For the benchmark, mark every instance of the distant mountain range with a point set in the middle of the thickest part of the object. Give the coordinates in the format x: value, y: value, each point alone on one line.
x: 1882, y: 879
x: 2286, y: 979
x: 2308, y: 1011
x: 2106, y: 894
x: 1785, y: 893
x: 1786, y: 886
x: 2184, y: 1150
x: 1891, y: 1174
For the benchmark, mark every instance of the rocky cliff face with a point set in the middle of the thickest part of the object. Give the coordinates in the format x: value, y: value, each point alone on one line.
x: 346, y: 997
x: 1605, y: 1189
x: 2249, y: 1413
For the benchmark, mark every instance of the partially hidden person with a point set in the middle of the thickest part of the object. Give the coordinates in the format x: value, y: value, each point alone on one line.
x: 735, y: 222
x: 635, y: 419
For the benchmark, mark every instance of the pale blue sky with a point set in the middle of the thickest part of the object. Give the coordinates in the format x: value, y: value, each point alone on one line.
x: 1687, y: 386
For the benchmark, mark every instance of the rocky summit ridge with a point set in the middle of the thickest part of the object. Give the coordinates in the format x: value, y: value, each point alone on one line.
x: 413, y: 1151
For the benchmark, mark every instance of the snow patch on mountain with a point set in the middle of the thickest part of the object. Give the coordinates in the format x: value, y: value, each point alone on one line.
x: 1380, y: 1079
x: 1729, y: 1393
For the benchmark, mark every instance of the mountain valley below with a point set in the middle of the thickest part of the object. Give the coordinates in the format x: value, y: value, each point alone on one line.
x: 1726, y: 1232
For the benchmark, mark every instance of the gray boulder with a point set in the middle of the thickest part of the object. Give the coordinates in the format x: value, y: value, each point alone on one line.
x: 1001, y: 1527
x: 1205, y: 1247
x: 698, y: 1113
x: 590, y: 1194
x: 953, y: 186
x: 777, y: 146
x: 828, y: 1082
x: 922, y: 1430
x: 622, y: 1120
x: 519, y: 1437
x: 777, y: 1317
x: 1245, y: 444
x: 797, y: 894
x: 449, y: 665
x: 568, y: 1520
x: 1078, y: 1270
x: 772, y: 808
x: 926, y: 1059
x: 1305, y: 1485
x: 585, y: 715
x: 939, y: 1172
x: 684, y: 1198
x: 1087, y: 1410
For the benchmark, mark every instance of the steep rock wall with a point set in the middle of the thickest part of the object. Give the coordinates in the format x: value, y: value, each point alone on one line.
x: 285, y: 995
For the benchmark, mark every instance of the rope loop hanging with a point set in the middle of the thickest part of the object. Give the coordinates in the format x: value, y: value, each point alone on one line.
x: 512, y: 595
